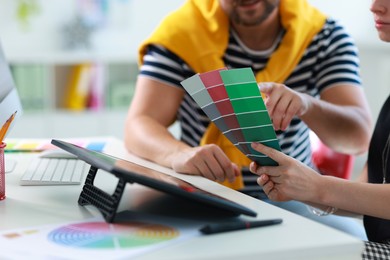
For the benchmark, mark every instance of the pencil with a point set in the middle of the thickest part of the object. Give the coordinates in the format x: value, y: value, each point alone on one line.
x: 5, y: 127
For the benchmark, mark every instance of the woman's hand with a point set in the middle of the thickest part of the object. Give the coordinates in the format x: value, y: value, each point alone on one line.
x: 291, y: 180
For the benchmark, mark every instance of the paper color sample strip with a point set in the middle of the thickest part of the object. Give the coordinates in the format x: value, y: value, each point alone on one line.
x: 251, y: 112
x: 194, y: 86
x: 214, y: 85
x: 232, y: 100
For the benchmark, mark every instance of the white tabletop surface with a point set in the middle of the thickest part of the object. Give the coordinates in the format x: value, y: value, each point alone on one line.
x: 295, y: 238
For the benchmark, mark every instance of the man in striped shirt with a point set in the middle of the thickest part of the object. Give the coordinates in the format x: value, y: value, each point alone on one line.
x: 322, y: 92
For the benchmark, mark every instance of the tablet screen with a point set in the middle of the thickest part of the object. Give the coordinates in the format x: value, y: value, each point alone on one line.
x: 132, y: 172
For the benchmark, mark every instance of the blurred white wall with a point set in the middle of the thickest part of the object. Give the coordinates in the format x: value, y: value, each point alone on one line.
x: 128, y: 23
x: 355, y: 16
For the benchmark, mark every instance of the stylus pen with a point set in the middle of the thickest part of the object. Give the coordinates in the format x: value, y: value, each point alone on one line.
x: 232, y: 226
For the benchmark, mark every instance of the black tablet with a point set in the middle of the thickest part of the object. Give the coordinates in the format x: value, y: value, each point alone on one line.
x: 134, y: 173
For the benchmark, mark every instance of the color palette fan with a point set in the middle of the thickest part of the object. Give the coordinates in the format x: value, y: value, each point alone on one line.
x: 233, y: 102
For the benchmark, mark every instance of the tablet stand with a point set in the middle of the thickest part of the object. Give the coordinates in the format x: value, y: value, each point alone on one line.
x: 107, y: 204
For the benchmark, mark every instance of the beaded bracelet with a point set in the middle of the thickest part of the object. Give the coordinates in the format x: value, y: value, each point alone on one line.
x: 321, y: 213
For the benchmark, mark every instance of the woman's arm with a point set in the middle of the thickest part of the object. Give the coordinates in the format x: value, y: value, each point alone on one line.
x: 292, y: 180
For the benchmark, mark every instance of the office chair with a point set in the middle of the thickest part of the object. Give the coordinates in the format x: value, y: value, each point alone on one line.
x: 330, y: 162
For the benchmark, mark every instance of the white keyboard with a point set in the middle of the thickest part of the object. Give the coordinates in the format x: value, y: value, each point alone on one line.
x: 54, y: 171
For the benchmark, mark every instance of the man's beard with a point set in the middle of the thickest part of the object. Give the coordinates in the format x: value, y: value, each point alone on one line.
x: 269, y: 8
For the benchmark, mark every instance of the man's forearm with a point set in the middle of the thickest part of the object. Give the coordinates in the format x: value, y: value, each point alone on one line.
x: 345, y: 129
x: 152, y: 141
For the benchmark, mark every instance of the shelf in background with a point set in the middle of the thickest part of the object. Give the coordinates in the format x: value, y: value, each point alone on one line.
x: 76, y: 86
x: 65, y: 124
x: 71, y: 57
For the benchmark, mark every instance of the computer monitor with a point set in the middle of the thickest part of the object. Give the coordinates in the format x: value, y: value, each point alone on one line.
x: 9, y: 97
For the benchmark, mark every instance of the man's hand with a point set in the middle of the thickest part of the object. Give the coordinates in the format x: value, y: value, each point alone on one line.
x: 208, y: 161
x: 283, y: 104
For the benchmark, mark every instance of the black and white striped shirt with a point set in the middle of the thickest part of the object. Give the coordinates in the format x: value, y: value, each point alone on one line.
x: 331, y: 58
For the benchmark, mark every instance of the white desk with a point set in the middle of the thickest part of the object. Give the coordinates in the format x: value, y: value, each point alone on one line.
x: 295, y: 238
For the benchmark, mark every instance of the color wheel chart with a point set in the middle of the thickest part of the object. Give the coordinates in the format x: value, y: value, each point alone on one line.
x: 100, y: 235
x: 232, y: 100
x: 134, y: 235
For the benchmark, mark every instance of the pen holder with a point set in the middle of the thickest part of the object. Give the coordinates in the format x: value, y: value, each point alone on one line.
x: 2, y: 171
